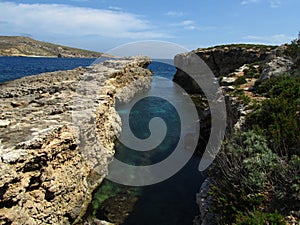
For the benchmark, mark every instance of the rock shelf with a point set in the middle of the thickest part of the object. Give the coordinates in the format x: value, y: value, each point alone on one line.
x: 45, y: 177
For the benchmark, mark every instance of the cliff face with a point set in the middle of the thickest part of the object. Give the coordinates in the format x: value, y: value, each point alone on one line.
x: 25, y: 46
x: 222, y: 60
x: 44, y: 176
x: 240, y: 70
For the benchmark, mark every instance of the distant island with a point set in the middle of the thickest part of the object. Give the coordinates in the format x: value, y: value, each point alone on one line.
x: 26, y: 46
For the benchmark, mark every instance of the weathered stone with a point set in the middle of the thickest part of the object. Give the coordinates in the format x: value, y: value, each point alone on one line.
x: 204, y: 200
x: 221, y: 60
x: 276, y: 67
x: 227, y: 81
x: 11, y: 156
x: 44, y: 175
x: 4, y: 123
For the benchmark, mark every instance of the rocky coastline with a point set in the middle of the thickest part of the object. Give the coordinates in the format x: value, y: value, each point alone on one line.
x: 45, y: 177
x: 230, y: 63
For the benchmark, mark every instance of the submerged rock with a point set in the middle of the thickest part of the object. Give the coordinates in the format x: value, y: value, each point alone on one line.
x: 116, y: 209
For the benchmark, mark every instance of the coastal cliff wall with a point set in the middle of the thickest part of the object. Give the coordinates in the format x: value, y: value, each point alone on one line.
x: 240, y: 72
x: 44, y: 177
x: 222, y: 60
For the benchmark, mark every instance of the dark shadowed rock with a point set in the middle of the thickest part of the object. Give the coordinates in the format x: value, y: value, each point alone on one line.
x: 222, y: 60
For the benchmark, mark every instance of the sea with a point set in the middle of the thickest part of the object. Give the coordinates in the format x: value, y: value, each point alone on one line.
x: 170, y: 202
x: 12, y: 68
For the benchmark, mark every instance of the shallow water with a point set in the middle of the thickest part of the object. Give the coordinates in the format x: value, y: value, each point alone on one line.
x: 171, y: 202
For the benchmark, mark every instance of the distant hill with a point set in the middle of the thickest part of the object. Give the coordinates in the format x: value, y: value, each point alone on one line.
x: 25, y: 46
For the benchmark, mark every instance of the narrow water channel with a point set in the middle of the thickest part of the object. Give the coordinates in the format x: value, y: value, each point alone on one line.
x: 171, y: 202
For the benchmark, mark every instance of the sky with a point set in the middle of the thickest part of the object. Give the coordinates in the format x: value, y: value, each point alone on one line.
x: 102, y: 25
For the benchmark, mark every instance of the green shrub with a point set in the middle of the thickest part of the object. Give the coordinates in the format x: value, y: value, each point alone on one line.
x: 257, y: 217
x: 277, y: 119
x: 254, y: 70
x: 259, y: 168
x: 242, y: 98
x: 286, y: 186
x: 242, y: 172
x: 278, y: 116
x: 240, y: 80
x: 287, y: 85
x: 293, y: 49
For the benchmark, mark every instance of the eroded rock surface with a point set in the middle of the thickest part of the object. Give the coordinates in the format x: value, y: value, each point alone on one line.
x: 222, y: 60
x: 45, y: 177
x: 276, y: 67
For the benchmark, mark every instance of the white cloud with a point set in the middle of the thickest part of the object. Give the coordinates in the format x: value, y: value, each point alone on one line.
x: 54, y: 19
x: 276, y: 39
x: 275, y: 3
x: 272, y: 3
x: 115, y: 8
x: 192, y: 25
x: 175, y: 14
x: 79, y: 0
x: 247, y: 2
x: 188, y: 24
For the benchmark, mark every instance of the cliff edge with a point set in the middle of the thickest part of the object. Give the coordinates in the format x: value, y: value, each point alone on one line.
x: 261, y: 89
x: 222, y: 60
x: 44, y: 177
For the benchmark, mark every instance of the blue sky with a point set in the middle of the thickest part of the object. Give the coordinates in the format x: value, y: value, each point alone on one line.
x: 104, y: 24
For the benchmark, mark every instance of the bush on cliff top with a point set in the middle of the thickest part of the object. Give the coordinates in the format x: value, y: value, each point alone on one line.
x: 278, y: 118
x: 255, y: 177
x: 249, y: 178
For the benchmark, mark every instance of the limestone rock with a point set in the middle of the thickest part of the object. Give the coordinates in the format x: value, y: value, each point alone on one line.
x: 44, y: 175
x: 4, y: 123
x: 276, y: 67
x: 221, y: 60
x: 228, y: 81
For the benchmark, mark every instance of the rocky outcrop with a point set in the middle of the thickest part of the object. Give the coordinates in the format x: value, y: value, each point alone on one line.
x: 228, y: 63
x: 45, y: 177
x: 237, y: 69
x: 204, y: 200
x: 276, y: 67
x: 222, y: 60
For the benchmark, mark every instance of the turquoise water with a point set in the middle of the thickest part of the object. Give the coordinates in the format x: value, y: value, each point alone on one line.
x: 172, y: 202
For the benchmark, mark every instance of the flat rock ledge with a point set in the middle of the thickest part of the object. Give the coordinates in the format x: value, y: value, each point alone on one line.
x: 47, y: 176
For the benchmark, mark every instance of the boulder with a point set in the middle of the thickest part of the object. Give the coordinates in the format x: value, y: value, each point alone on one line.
x: 276, y: 67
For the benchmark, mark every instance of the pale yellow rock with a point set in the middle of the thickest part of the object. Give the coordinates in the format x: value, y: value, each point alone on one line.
x: 44, y: 177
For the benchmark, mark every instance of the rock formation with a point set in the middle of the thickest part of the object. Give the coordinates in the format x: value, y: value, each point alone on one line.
x: 222, y: 60
x: 229, y: 63
x: 276, y: 67
x: 45, y: 177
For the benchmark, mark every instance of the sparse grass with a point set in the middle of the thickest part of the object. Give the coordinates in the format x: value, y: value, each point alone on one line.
x: 243, y: 99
